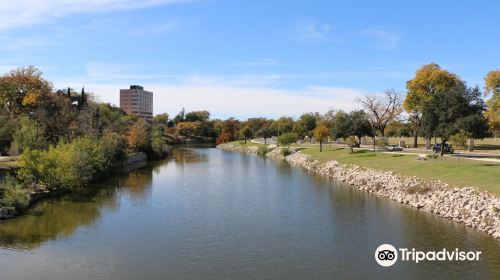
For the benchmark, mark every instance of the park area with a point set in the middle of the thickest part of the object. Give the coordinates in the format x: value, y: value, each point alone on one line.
x: 459, y: 172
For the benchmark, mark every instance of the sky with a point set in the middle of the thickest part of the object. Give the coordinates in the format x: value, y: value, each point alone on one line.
x: 246, y: 58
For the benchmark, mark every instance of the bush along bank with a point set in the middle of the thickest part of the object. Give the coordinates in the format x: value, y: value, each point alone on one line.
x: 65, y: 167
x: 479, y: 210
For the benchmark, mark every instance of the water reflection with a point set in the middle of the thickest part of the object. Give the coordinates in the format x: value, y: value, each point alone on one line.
x: 183, y: 156
x: 224, y: 215
x: 61, y: 217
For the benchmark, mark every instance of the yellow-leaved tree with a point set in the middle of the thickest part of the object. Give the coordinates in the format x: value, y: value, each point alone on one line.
x: 492, y: 85
x: 429, y: 79
x: 137, y: 137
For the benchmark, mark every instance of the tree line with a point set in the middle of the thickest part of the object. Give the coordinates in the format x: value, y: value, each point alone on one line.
x: 65, y: 138
x: 63, y: 134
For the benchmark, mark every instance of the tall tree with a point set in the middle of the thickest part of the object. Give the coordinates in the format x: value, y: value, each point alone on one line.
x: 306, y: 124
x: 138, y: 135
x: 492, y: 85
x: 246, y: 133
x: 22, y: 89
x: 454, y: 109
x: 360, y: 124
x: 265, y: 133
x: 428, y: 79
x: 341, y: 125
x: 382, y: 109
x: 282, y: 125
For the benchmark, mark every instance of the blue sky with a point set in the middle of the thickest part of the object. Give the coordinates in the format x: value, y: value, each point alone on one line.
x: 248, y: 58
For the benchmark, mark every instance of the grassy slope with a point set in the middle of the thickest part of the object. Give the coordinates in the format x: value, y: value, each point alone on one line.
x: 242, y: 144
x: 483, y: 175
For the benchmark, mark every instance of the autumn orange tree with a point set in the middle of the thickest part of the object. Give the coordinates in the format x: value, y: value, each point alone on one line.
x: 22, y: 89
x: 321, y: 132
x: 137, y: 137
x: 492, y: 86
x: 429, y: 79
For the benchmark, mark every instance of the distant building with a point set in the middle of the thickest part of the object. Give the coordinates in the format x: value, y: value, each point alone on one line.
x: 137, y: 101
x: 78, y: 100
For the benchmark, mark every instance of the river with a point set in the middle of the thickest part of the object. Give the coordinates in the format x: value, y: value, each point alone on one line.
x: 205, y: 213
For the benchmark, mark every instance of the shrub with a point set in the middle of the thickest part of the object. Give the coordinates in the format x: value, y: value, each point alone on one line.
x: 382, y: 142
x: 13, y: 194
x: 285, y: 152
x: 287, y: 139
x: 262, y: 150
x: 30, y: 135
x: 69, y: 165
x: 159, y: 145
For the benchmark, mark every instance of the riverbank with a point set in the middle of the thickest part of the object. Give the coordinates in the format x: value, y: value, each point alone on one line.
x: 38, y: 192
x: 467, y: 205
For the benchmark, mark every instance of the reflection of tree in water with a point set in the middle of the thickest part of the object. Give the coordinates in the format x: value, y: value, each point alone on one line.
x: 56, y: 218
x: 137, y: 183
x: 182, y: 156
x: 60, y: 217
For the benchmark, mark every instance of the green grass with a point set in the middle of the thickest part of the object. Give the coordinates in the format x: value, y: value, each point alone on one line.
x: 247, y: 144
x: 8, y: 163
x: 482, y: 175
x: 487, y: 145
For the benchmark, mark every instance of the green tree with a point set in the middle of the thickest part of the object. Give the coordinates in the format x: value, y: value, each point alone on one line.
x: 161, y: 119
x: 30, y: 135
x: 282, y: 125
x: 286, y: 139
x: 194, y: 116
x: 306, y: 124
x: 429, y: 79
x: 454, y: 109
x: 246, y: 133
x: 265, y: 133
x: 460, y: 138
x: 8, y: 127
x: 359, y: 124
x: 341, y: 125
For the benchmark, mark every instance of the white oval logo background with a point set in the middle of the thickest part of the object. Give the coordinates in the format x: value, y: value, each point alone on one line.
x: 386, y: 255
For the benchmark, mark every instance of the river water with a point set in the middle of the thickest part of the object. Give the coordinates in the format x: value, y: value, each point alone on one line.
x: 210, y: 214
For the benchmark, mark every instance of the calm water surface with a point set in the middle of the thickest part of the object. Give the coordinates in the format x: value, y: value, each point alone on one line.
x: 210, y: 214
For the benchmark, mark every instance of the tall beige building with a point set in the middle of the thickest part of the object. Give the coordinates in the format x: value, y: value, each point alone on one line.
x: 137, y: 101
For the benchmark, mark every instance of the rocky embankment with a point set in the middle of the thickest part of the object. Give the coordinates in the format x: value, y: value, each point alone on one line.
x: 242, y: 149
x: 479, y: 210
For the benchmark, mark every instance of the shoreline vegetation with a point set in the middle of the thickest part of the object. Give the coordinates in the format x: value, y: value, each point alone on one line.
x: 61, y: 139
x: 477, y: 209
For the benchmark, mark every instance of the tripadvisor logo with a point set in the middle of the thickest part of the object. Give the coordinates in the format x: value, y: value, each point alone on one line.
x: 387, y: 255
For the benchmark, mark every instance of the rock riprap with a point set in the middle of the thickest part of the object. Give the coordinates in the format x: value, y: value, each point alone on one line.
x: 479, y: 210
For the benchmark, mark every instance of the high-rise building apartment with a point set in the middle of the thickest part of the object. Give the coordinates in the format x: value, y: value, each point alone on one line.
x: 137, y: 101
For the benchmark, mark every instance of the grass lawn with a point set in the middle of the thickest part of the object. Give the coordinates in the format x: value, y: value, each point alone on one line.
x: 487, y: 145
x: 243, y: 144
x: 8, y: 163
x: 482, y: 175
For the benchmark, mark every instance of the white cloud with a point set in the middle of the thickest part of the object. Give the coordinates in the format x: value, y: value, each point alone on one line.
x: 28, y: 12
x: 384, y: 40
x: 312, y: 32
x: 242, y: 102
